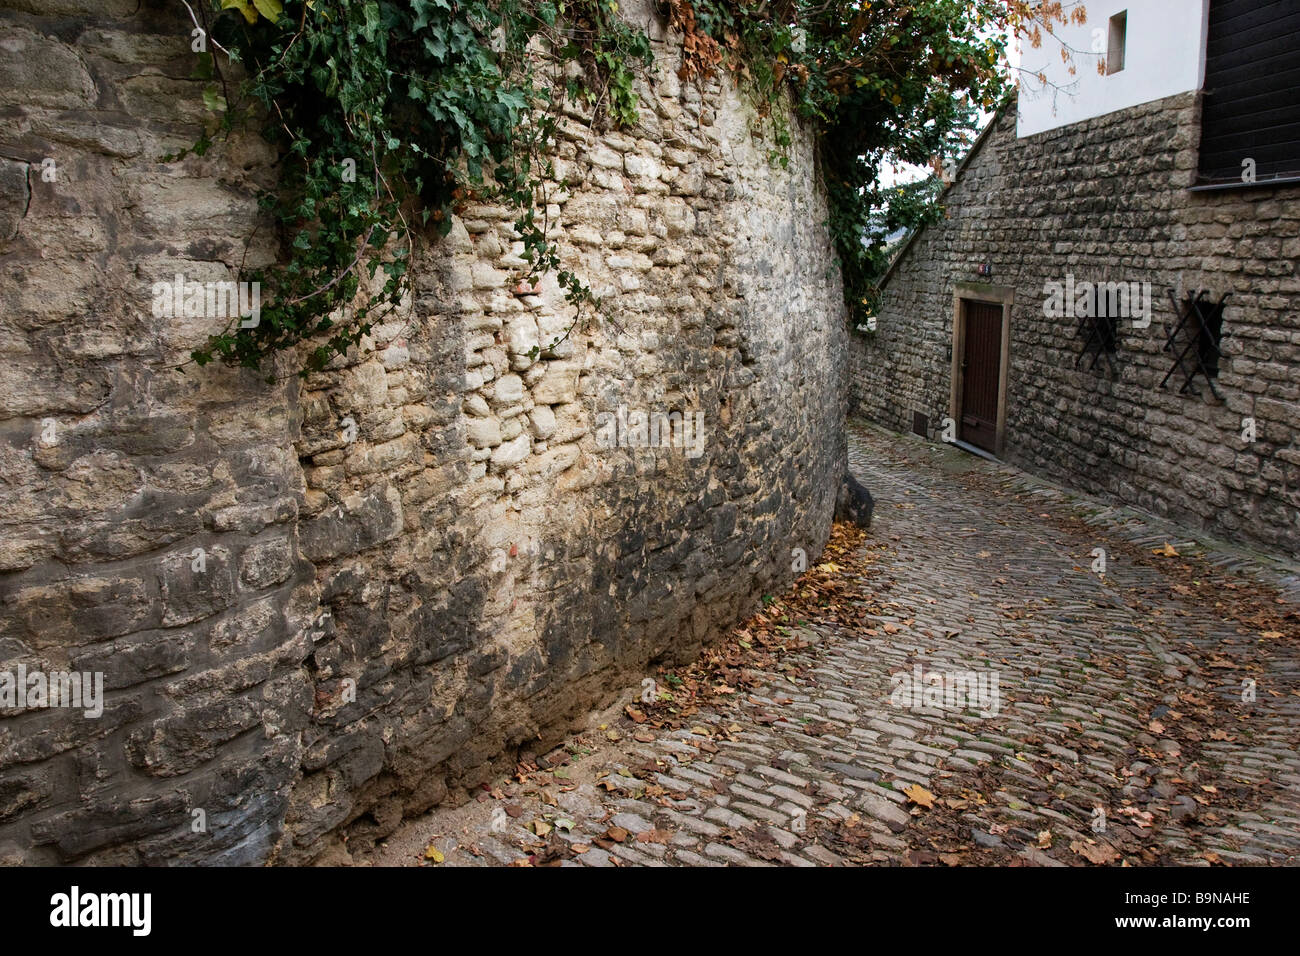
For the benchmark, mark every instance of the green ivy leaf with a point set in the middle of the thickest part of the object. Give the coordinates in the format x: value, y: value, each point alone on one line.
x: 213, y: 99
x: 203, y: 68
x: 271, y: 9
x: 243, y: 6
x: 371, y: 13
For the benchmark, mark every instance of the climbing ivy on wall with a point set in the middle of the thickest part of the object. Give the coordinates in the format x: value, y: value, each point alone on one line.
x: 393, y: 114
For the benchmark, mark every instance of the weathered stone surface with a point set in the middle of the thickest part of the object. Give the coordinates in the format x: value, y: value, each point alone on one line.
x: 542, y: 421
x: 14, y: 197
x: 791, y: 767
x: 854, y: 503
x: 39, y: 70
x: 320, y: 605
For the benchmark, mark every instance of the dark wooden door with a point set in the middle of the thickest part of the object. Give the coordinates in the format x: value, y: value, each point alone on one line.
x: 981, y: 364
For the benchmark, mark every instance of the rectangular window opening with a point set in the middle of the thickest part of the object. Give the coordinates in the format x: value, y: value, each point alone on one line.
x: 1115, y: 49
x: 1110, y: 303
x: 1209, y: 340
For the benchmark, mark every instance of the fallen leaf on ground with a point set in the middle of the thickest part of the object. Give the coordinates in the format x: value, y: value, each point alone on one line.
x: 919, y: 795
x: 1099, y: 853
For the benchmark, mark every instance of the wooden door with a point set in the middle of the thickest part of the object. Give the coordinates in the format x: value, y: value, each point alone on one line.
x: 981, y: 365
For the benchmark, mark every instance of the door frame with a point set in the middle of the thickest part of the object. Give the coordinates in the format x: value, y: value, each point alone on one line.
x: 993, y: 295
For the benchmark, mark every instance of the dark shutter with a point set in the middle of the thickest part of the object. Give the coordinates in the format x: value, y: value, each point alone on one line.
x: 1252, y: 92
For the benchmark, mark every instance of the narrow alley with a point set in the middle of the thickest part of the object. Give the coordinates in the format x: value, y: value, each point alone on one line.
x: 962, y: 684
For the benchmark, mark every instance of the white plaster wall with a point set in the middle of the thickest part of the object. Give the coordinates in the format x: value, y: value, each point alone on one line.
x: 1165, y: 55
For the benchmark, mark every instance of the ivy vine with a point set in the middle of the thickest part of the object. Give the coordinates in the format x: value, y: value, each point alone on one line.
x: 392, y: 115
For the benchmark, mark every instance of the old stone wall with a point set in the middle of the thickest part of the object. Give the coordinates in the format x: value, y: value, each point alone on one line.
x: 1108, y: 200
x: 321, y: 606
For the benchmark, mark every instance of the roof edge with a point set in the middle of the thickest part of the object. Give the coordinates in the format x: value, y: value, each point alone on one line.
x: 961, y: 168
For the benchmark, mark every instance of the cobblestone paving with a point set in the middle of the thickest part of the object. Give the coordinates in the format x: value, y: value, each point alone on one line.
x: 1124, y: 729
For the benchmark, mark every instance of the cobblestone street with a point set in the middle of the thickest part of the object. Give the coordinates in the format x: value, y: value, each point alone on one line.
x: 1148, y: 715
